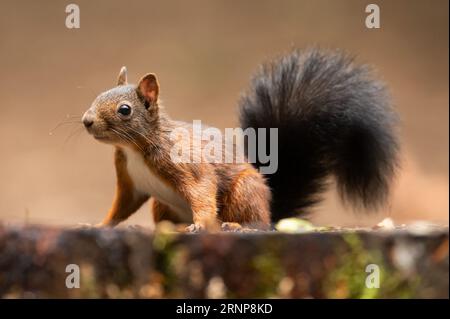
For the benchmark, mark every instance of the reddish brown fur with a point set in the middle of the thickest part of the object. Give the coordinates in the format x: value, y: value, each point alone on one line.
x: 163, y: 212
x: 217, y: 192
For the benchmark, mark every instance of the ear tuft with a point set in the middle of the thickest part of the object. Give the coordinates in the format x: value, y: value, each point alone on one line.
x: 148, y: 88
x: 122, y: 78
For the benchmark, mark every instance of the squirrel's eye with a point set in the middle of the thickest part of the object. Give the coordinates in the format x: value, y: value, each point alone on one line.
x: 124, y: 110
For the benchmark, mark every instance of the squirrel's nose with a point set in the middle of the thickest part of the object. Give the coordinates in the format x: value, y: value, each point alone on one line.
x: 88, y: 122
x: 88, y: 119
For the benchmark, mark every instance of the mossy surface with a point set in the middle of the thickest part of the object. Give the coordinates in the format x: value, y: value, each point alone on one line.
x: 139, y: 264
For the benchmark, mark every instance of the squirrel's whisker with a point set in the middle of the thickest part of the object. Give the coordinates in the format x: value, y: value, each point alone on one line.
x: 125, y: 136
x: 145, y: 137
x: 131, y: 139
x: 64, y: 123
x: 73, y: 133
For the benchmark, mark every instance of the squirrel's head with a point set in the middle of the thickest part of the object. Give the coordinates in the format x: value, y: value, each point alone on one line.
x: 120, y: 115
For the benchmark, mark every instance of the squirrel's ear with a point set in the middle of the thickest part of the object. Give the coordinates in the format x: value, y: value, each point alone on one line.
x: 148, y: 87
x: 122, y: 78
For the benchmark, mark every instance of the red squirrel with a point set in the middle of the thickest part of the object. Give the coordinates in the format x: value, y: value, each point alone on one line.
x: 333, y: 119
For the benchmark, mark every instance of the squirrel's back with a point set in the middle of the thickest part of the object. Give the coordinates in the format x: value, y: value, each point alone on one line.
x: 333, y: 119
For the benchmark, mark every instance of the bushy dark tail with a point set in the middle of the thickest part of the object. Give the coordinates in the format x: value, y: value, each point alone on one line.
x: 333, y: 119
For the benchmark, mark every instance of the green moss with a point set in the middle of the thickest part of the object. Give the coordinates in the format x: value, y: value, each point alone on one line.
x: 89, y: 288
x: 268, y: 271
x: 167, y: 257
x: 348, y: 280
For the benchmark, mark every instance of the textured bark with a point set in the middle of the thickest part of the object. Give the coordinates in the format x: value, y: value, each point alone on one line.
x: 138, y: 264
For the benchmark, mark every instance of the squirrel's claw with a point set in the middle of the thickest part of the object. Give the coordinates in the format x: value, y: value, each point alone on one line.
x: 231, y: 227
x: 194, y: 228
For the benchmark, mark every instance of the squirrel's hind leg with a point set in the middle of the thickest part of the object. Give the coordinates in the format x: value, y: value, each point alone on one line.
x: 247, y: 200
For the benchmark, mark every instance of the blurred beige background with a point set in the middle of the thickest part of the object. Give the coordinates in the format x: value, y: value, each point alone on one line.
x: 204, y: 53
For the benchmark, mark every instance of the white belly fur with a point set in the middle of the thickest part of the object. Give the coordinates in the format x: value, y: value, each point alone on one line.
x: 146, y: 182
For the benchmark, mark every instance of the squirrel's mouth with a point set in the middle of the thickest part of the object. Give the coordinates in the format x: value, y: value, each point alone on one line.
x: 100, y: 137
x: 103, y: 137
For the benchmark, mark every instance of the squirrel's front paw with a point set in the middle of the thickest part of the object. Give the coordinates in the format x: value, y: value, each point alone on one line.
x: 231, y: 227
x: 195, y: 228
